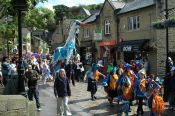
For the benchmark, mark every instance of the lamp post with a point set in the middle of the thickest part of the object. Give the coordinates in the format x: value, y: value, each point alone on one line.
x: 167, y: 37
x: 20, y: 5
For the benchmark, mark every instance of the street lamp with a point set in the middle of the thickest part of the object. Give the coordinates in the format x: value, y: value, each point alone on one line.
x: 20, y: 5
x: 167, y: 37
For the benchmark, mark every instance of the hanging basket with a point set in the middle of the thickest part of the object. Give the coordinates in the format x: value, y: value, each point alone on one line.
x: 170, y: 23
x: 159, y: 25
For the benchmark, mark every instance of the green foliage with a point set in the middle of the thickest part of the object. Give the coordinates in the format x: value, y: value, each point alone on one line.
x: 7, y: 7
x: 93, y: 6
x: 162, y: 24
x: 61, y: 11
x: 8, y: 30
x: 39, y: 18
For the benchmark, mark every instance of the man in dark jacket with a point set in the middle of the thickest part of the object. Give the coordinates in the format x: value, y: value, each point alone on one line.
x: 70, y: 72
x: 32, y: 78
x: 62, y: 91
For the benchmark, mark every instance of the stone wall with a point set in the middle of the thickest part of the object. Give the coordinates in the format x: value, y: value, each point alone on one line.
x: 16, y: 105
x: 161, y: 49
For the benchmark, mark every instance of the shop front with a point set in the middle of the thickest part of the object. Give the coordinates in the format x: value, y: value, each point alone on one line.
x: 133, y: 49
x: 86, y: 52
x: 107, y: 52
x: 106, y: 49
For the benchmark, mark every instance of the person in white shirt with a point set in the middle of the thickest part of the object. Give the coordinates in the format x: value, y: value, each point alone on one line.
x: 45, y: 71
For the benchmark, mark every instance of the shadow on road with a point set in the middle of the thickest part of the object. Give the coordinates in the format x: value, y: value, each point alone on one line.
x: 83, y: 100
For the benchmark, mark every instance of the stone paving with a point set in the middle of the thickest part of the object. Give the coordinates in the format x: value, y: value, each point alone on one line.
x: 81, y: 104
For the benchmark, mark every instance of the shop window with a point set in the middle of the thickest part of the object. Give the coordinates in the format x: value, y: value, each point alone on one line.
x: 107, y: 27
x: 86, y: 33
x: 133, y: 23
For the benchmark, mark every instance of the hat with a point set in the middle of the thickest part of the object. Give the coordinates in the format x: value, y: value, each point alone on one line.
x: 142, y: 72
x: 173, y: 69
x: 137, y: 62
x: 127, y: 66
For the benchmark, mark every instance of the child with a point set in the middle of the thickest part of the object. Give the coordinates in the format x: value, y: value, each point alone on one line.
x: 139, y: 90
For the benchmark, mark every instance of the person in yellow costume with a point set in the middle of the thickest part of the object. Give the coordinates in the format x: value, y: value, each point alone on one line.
x: 112, y: 86
x: 155, y: 102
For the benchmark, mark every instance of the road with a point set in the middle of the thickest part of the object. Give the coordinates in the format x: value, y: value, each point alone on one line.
x: 81, y: 105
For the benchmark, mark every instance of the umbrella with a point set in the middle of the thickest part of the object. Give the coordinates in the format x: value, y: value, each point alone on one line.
x: 35, y: 54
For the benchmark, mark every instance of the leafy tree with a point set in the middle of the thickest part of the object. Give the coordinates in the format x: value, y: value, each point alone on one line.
x: 6, y: 6
x: 40, y: 18
x: 93, y: 6
x: 61, y: 11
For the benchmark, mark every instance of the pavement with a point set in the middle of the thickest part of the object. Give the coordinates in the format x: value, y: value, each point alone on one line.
x: 81, y: 104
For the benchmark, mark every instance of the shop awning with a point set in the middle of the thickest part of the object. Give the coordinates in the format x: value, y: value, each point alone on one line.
x: 107, y: 43
x: 131, y: 46
x: 86, y: 44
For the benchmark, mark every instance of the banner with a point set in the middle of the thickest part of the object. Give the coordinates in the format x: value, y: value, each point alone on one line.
x: 98, y: 34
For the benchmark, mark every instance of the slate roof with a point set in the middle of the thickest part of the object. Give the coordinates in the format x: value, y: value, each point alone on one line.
x: 137, y: 4
x: 90, y: 18
x: 117, y: 4
x: 87, y: 12
x: 94, y: 11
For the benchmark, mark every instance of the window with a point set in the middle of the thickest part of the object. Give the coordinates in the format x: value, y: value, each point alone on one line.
x: 107, y: 27
x: 86, y: 33
x: 133, y: 23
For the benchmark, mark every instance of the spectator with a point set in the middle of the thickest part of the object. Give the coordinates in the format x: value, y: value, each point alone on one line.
x: 62, y: 91
x: 32, y: 78
x: 5, y: 70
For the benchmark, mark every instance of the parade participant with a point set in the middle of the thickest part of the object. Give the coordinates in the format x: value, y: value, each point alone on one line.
x: 139, y: 90
x: 109, y: 68
x: 120, y: 70
x: 62, y: 91
x: 93, y: 77
x: 172, y: 89
x: 32, y: 78
x: 112, y: 85
x: 155, y: 102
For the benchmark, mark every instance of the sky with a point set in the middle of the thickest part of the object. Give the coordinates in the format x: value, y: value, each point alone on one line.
x: 68, y: 3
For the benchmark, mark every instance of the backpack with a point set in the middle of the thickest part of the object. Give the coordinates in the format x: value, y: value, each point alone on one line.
x: 126, y: 88
x: 158, y: 105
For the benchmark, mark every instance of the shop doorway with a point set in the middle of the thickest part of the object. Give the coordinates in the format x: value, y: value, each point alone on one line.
x: 128, y: 56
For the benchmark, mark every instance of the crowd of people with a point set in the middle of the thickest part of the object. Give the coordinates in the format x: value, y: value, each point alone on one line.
x: 129, y: 82
x: 125, y: 82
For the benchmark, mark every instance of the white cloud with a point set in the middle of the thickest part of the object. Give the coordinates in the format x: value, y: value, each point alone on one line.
x: 68, y: 3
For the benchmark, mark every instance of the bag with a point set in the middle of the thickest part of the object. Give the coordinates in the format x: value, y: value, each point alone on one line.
x: 158, y: 105
x: 142, y: 85
x: 96, y: 75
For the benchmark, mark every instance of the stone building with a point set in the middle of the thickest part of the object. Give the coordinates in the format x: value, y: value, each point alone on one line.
x: 106, y: 25
x: 137, y: 35
x: 86, y: 37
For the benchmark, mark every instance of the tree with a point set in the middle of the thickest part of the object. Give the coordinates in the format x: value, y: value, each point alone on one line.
x: 6, y: 6
x: 40, y: 18
x: 61, y: 11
